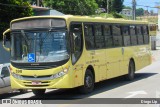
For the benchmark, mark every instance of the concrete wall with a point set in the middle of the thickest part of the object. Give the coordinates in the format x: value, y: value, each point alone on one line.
x: 4, y: 55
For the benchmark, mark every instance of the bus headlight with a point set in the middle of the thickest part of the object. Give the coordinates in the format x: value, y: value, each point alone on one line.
x: 58, y: 75
x: 16, y: 76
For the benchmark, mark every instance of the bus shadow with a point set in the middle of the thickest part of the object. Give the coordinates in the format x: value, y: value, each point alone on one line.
x: 12, y: 94
x: 99, y: 88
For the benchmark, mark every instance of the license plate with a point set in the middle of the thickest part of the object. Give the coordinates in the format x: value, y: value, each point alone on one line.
x: 36, y: 83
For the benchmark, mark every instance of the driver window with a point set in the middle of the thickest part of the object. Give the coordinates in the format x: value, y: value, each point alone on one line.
x: 77, y: 42
x: 5, y: 71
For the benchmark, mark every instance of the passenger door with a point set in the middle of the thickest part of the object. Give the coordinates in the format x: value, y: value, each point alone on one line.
x: 77, y: 49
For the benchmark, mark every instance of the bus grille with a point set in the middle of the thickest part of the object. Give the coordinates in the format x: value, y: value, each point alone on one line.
x: 37, y: 78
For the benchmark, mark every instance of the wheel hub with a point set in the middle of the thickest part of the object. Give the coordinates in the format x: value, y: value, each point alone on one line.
x: 88, y: 81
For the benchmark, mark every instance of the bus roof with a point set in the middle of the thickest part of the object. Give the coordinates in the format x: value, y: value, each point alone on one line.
x: 86, y: 19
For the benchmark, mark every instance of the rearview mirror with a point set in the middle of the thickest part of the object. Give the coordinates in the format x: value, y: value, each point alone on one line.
x: 2, y: 76
x: 4, y: 40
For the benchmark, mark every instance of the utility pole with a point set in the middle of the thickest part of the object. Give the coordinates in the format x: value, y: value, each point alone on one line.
x: 134, y: 9
x: 108, y: 6
x: 147, y: 12
x: 38, y: 4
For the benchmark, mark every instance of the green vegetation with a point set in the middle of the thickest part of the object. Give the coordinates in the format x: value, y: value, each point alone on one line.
x: 151, y: 19
x: 111, y: 15
x: 83, y: 7
x: 139, y: 12
x: 114, y: 5
x: 12, y: 9
x: 74, y: 7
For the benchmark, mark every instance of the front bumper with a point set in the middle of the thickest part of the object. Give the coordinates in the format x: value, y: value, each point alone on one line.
x: 62, y: 82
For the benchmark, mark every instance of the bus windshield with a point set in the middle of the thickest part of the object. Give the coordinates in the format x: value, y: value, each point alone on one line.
x: 39, y: 46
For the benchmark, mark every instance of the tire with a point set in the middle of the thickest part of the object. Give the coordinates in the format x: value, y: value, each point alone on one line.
x: 22, y: 91
x: 88, y: 83
x: 131, y: 71
x: 38, y: 92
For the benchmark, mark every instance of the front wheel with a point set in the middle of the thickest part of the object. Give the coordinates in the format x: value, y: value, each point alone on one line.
x: 38, y: 92
x: 88, y: 83
x: 22, y: 91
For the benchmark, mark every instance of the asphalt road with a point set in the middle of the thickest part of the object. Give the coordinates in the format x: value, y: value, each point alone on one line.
x: 145, y: 85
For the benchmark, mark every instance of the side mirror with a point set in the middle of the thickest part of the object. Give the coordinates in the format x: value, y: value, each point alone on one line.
x: 4, y: 39
x: 2, y: 76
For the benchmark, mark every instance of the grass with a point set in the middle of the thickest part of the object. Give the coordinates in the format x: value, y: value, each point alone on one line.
x: 151, y: 19
x: 103, y: 15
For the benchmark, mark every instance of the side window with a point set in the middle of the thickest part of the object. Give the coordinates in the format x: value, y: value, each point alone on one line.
x: 146, y: 34
x: 116, y: 30
x: 107, y: 30
x: 126, y: 35
x: 117, y: 37
x: 108, y: 36
x: 5, y: 72
x: 139, y: 35
x: 99, y: 38
x: 125, y: 30
x: 133, y: 35
x: 89, y: 37
x: 77, y: 41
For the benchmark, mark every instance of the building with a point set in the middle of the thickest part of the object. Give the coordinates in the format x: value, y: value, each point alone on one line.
x: 40, y: 11
x: 146, y: 13
x: 126, y: 12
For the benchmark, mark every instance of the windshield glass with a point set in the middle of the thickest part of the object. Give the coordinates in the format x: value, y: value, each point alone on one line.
x: 36, y: 46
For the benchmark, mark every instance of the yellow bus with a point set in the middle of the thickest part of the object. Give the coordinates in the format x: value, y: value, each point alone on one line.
x: 49, y: 52
x: 153, y: 29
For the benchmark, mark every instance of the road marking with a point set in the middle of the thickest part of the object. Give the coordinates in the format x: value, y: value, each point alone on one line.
x: 134, y: 93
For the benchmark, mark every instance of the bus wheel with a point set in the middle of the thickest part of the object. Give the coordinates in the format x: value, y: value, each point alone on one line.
x: 38, y: 92
x: 131, y: 71
x: 22, y: 91
x: 88, y: 83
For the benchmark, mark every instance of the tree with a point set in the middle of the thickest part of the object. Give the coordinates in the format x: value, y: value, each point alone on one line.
x: 12, y: 9
x: 139, y: 12
x: 35, y: 2
x: 74, y: 7
x: 117, y: 5
x: 114, y: 5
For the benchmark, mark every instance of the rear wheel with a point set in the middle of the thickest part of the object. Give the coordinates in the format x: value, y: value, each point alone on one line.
x: 131, y: 71
x: 38, y: 92
x: 88, y: 83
